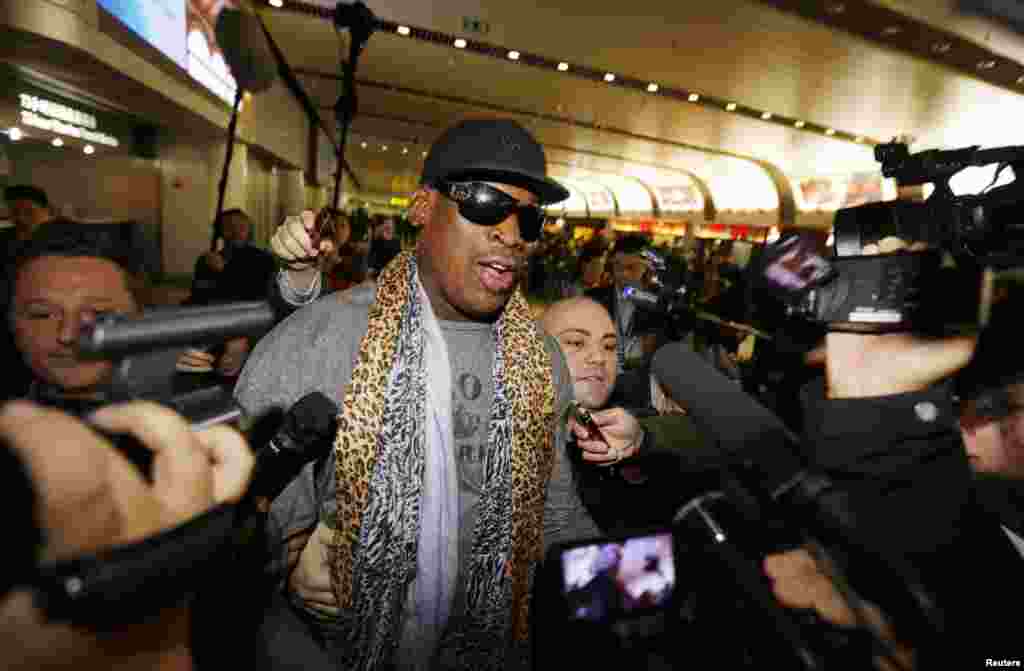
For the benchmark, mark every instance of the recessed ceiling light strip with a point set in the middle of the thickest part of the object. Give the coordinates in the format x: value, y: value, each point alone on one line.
x: 606, y: 77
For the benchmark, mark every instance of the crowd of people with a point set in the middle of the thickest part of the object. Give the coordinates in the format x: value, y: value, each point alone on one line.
x: 459, y: 461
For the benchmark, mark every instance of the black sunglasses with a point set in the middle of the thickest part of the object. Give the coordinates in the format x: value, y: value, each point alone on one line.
x: 487, y: 206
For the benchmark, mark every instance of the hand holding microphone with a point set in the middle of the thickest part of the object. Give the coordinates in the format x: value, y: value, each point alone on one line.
x: 606, y: 437
x: 299, y: 242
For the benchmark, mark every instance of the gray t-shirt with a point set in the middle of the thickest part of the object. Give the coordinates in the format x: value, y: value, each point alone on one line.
x: 315, y: 349
x: 472, y: 393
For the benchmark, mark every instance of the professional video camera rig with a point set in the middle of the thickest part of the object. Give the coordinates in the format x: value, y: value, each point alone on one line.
x: 915, y: 288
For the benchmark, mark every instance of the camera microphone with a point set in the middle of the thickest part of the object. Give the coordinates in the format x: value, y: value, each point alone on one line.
x: 306, y: 434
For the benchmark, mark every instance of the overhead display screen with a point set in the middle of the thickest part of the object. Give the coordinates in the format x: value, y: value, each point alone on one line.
x: 185, y: 32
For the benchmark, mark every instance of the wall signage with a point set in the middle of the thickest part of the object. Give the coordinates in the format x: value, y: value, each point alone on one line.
x: 61, y: 119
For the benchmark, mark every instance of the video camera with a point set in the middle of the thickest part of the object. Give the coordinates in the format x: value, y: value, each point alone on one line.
x: 943, y: 278
x: 664, y: 294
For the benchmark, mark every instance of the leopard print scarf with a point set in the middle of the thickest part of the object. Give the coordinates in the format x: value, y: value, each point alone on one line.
x: 379, y: 469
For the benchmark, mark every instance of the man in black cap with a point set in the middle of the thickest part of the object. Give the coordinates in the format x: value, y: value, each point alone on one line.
x: 413, y: 544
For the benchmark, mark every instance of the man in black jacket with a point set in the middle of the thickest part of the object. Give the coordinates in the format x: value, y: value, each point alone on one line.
x: 884, y: 428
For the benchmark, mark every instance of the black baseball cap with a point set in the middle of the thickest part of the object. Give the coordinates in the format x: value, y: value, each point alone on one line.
x: 493, y: 150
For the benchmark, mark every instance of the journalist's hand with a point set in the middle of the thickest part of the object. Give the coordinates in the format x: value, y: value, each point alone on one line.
x: 863, y: 366
x: 620, y: 429
x: 798, y: 582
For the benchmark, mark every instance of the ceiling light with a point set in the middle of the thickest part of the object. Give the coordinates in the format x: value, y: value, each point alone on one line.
x: 383, y: 147
x: 799, y: 124
x: 405, y: 150
x: 730, y: 107
x: 363, y: 145
x: 15, y: 134
x: 652, y: 88
x: 513, y: 55
x: 892, y: 30
x: 766, y: 115
x: 986, y: 65
x: 693, y: 97
x: 941, y: 47
x: 836, y: 8
x: 562, y: 67
x: 277, y: 3
x: 424, y: 154
x: 830, y: 131
x: 57, y: 142
x: 403, y: 30
x: 460, y: 43
x: 609, y: 77
x: 89, y: 149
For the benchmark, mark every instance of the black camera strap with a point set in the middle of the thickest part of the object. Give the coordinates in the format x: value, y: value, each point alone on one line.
x: 133, y: 581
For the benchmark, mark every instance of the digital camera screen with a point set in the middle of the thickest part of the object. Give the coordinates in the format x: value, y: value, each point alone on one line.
x: 793, y: 265
x: 606, y: 581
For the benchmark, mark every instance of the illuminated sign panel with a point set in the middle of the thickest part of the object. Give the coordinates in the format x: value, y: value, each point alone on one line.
x: 61, y: 119
x: 185, y: 32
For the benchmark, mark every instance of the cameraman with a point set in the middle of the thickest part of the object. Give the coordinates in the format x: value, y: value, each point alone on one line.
x: 89, y: 498
x: 885, y: 429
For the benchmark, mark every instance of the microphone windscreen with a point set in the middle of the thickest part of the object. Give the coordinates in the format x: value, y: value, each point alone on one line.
x: 312, y: 422
x: 246, y: 51
x: 743, y: 428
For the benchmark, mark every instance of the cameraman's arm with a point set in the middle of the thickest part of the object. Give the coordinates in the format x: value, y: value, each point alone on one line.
x: 889, y: 440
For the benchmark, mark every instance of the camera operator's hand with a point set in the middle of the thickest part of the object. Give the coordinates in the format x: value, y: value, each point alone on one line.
x: 863, y: 366
x: 798, y: 582
x: 292, y: 243
x: 620, y: 429
x: 90, y: 497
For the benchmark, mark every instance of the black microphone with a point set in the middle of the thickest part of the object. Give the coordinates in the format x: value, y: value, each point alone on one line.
x: 306, y: 434
x: 769, y: 472
x: 246, y: 51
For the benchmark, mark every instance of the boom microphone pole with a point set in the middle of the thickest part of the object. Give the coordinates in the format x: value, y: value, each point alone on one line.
x: 360, y: 21
x: 245, y: 50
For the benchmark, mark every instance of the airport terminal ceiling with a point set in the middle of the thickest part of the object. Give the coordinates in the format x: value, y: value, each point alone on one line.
x: 776, y: 67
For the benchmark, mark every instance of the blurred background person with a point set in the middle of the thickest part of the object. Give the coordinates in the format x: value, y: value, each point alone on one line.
x: 233, y: 270
x: 384, y: 247
x: 637, y: 331
x: 29, y: 208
